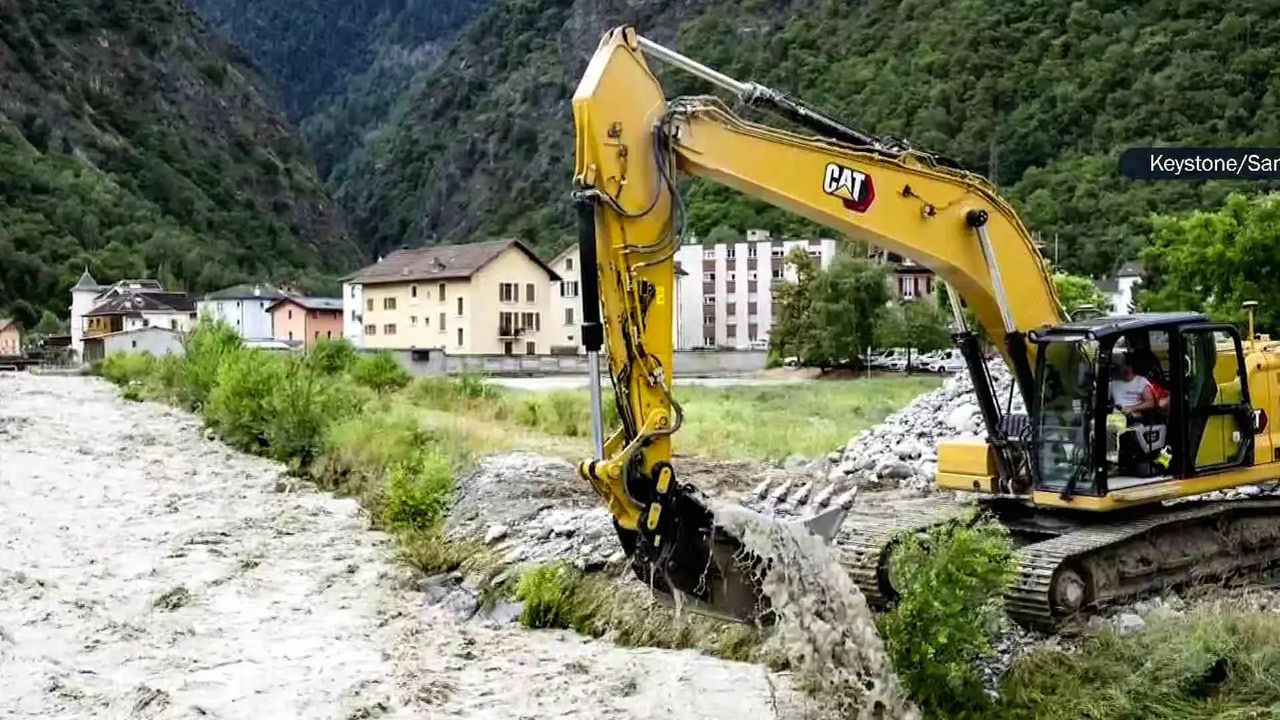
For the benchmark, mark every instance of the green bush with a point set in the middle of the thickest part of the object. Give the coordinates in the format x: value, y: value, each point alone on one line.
x: 566, y: 413
x: 430, y: 552
x: 126, y: 368
x: 548, y: 593
x: 239, y: 406
x: 333, y: 357
x: 419, y: 491
x: 303, y: 405
x: 379, y: 372
x: 951, y: 587
x: 450, y: 392
x: 205, y: 348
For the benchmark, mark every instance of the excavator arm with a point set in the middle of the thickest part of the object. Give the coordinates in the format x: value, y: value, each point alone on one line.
x: 631, y: 142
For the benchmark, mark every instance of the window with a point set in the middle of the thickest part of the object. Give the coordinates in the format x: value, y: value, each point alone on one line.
x: 173, y: 324
x: 134, y: 343
x: 709, y: 341
x: 528, y: 293
x: 459, y: 304
x: 317, y: 334
x: 752, y: 251
x: 708, y: 319
x: 753, y: 275
x: 508, y: 292
x: 290, y: 314
x: 389, y: 329
x: 426, y: 321
x: 441, y: 322
x: 291, y: 335
x: 353, y: 315
x: 507, y: 324
x: 459, y: 337
x: 388, y: 303
x: 731, y: 331
x: 353, y: 291
x: 146, y: 322
x: 708, y: 299
x: 237, y: 303
x: 370, y: 329
x: 413, y: 291
x: 568, y: 316
x: 568, y: 263
x: 753, y: 333
x: 731, y: 252
x: 708, y: 254
x: 569, y: 289
x: 368, y: 304
x: 708, y: 277
x: 777, y: 273
x: 733, y: 276
x: 731, y: 309
x: 413, y: 321
x: 530, y: 349
x: 531, y: 321
x: 815, y: 253
x: 440, y: 291
x: 777, y: 251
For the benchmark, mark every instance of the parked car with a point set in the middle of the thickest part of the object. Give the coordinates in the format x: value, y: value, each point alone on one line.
x: 950, y: 362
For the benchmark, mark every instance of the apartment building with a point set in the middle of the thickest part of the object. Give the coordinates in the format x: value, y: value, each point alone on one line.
x: 566, y: 302
x: 724, y: 297
x: 481, y: 298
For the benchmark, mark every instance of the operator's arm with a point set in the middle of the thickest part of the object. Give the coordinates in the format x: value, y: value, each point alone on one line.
x: 1147, y: 402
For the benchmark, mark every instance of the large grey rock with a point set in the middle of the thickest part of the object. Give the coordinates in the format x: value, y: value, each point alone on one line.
x: 1129, y: 623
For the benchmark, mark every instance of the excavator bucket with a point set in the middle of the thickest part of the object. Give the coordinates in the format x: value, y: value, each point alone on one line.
x: 702, y: 567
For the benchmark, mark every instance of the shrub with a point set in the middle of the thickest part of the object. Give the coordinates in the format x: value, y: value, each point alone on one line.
x: 126, y: 368
x: 302, y: 406
x: 430, y: 552
x: 447, y: 393
x: 566, y: 413
x: 239, y: 406
x: 379, y: 372
x: 419, y: 491
x: 333, y: 357
x: 951, y: 589
x: 205, y: 348
x: 547, y: 592
x: 361, y: 449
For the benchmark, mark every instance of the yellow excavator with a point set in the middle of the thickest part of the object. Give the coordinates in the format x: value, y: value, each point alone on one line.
x: 1095, y: 485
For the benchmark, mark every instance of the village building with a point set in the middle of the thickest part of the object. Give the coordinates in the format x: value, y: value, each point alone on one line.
x: 306, y: 320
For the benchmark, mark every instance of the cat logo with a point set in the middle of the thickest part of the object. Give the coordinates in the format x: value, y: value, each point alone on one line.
x: 854, y: 188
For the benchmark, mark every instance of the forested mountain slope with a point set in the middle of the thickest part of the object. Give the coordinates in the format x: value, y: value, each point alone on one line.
x: 340, y: 64
x: 134, y: 141
x: 1041, y: 95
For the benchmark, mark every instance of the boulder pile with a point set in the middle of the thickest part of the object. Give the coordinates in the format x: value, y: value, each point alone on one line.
x: 902, y: 450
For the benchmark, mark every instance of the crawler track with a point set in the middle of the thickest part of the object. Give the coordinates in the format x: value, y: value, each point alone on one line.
x: 1069, y: 569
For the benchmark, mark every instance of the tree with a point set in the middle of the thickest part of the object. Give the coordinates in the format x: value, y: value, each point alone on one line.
x: 847, y: 299
x: 1214, y: 261
x: 793, y: 321
x: 1077, y: 292
x: 920, y: 326
x: 723, y: 234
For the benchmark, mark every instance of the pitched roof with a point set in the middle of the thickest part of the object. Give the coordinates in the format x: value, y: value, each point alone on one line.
x: 246, y: 291
x: 1133, y: 268
x: 309, y: 303
x: 440, y: 262
x: 5, y: 322
x: 128, y: 303
x: 1107, y: 285
x: 86, y: 281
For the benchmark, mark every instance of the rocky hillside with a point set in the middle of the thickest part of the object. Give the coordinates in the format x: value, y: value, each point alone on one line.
x: 1040, y: 95
x: 136, y: 142
x: 340, y: 65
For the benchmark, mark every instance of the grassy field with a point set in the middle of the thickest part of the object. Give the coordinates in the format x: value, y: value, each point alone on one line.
x: 774, y: 421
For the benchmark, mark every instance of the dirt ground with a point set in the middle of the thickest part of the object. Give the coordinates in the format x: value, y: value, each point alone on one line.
x: 147, y: 571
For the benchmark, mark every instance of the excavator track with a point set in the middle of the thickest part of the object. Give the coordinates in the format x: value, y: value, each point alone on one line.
x: 1065, y: 577
x: 1087, y: 566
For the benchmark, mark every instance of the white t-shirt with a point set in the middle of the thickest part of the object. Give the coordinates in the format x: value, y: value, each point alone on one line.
x: 1126, y: 393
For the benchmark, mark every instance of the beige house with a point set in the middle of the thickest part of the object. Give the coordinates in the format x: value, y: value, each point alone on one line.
x: 10, y: 337
x: 484, y: 298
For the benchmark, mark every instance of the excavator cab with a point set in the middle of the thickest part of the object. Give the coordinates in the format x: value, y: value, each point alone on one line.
x: 1125, y: 405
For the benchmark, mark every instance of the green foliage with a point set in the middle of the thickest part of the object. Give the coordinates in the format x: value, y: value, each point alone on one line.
x: 548, y: 593
x: 240, y: 398
x: 1213, y: 261
x: 431, y: 553
x: 143, y: 167
x: 794, y: 330
x: 1077, y: 292
x: 48, y: 325
x: 379, y: 372
x: 1043, y: 106
x: 951, y: 589
x: 918, y: 325
x: 302, y: 406
x: 333, y: 357
x: 828, y: 316
x: 419, y: 491
x: 448, y: 392
x: 205, y: 349
x: 1210, y: 664
x: 125, y: 369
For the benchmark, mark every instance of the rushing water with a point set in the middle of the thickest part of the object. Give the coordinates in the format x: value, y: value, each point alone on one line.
x: 823, y: 624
